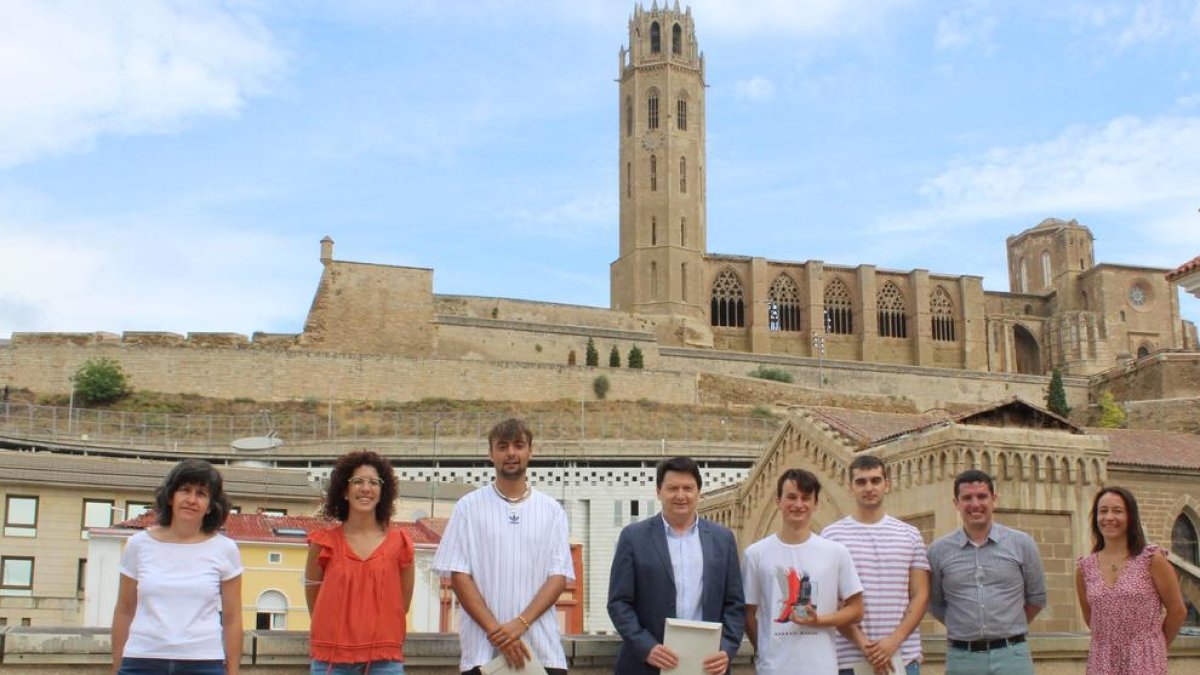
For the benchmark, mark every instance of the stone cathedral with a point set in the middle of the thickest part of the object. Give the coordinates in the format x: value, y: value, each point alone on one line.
x: 1062, y: 310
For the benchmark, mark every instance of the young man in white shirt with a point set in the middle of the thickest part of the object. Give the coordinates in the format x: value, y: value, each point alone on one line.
x: 889, y: 556
x: 800, y: 587
x: 508, y: 558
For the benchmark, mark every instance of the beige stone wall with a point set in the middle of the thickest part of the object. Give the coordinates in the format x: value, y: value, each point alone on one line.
x: 374, y: 309
x: 497, y: 340
x: 1159, y: 376
x: 925, y: 388
x: 278, y: 375
x: 1179, y: 415
x: 546, y: 313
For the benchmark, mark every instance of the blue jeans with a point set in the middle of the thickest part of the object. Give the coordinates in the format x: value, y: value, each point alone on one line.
x: 371, y: 668
x: 913, y: 668
x: 132, y: 665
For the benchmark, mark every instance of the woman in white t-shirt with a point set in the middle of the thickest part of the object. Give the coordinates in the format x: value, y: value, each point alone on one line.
x: 179, y: 608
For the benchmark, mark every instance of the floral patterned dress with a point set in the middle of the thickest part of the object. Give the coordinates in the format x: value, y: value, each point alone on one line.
x: 1127, y: 617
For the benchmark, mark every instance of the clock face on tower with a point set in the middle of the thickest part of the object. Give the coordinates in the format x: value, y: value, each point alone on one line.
x: 652, y: 141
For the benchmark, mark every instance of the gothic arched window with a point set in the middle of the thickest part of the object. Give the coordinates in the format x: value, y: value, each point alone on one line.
x: 653, y: 281
x: 655, y: 38
x: 683, y: 175
x: 653, y: 173
x: 1023, y: 277
x: 652, y: 109
x: 628, y: 115
x: 653, y: 231
x: 941, y: 310
x: 728, y: 300
x: 784, y: 304
x: 681, y: 111
x: 682, y: 231
x: 1184, y: 542
x: 889, y: 304
x: 839, y: 311
x: 1046, y: 268
x: 676, y: 39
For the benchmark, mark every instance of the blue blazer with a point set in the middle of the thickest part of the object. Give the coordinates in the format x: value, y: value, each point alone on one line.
x: 641, y: 590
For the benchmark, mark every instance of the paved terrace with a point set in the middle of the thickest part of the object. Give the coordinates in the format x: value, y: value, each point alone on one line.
x: 422, y: 437
x: 85, y: 651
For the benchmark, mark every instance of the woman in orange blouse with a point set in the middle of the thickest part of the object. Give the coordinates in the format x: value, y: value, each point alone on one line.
x: 359, y: 575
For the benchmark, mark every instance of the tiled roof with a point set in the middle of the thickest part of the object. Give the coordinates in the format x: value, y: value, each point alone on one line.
x: 865, y: 427
x: 258, y: 527
x: 49, y: 468
x: 1192, y: 265
x: 1143, y: 447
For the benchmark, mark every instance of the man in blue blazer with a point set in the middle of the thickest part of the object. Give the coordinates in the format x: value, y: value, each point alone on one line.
x: 677, y: 565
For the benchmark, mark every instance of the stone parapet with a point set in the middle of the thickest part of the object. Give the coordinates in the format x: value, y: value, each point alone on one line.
x: 86, y: 651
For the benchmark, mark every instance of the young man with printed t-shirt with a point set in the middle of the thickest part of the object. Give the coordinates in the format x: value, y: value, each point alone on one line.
x: 508, y: 558
x: 800, y: 587
x: 889, y: 556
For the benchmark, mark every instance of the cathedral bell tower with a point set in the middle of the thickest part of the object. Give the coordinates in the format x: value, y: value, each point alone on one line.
x: 662, y: 188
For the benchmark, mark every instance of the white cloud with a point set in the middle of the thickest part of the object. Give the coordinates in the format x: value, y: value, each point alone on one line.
x: 580, y: 218
x: 1151, y: 22
x: 737, y: 18
x: 1127, y: 165
x: 963, y: 28
x: 134, y: 274
x: 74, y: 70
x: 757, y: 88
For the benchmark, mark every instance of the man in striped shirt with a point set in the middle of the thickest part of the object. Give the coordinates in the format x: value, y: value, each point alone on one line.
x: 508, y: 558
x: 889, y: 555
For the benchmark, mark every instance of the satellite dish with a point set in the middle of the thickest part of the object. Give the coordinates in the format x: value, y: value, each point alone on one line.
x: 257, y: 443
x: 260, y: 443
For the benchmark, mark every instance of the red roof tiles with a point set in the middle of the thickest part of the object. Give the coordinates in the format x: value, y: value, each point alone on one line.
x: 258, y: 527
x: 1185, y: 269
x: 1143, y: 447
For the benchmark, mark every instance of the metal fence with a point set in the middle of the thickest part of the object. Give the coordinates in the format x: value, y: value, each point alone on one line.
x: 153, y: 428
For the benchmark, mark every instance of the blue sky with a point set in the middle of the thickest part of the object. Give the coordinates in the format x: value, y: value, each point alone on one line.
x: 172, y: 166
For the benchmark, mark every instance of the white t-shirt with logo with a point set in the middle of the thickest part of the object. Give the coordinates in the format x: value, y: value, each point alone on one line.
x: 178, y: 596
x: 785, y: 647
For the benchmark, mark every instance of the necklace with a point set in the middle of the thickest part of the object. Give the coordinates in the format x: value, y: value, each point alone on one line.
x: 514, y: 517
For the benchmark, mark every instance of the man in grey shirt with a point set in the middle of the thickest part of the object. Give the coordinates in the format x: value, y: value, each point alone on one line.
x: 986, y: 585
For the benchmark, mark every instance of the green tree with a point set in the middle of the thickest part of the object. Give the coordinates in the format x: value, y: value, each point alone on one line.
x: 593, y: 357
x: 1056, y: 395
x: 100, y: 380
x: 1111, y: 414
x: 600, y: 385
x: 614, y: 358
x: 635, y: 358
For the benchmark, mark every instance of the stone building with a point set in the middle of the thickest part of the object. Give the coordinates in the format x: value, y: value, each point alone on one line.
x: 1046, y: 469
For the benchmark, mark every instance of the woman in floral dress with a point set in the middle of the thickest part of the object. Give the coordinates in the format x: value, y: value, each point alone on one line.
x: 1123, y: 587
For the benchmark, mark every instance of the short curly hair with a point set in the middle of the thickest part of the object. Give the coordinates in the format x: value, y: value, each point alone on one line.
x: 335, y: 505
x: 193, y: 472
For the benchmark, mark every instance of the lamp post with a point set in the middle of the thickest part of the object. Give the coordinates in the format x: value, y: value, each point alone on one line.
x: 71, y: 406
x: 818, y: 343
x: 433, y: 479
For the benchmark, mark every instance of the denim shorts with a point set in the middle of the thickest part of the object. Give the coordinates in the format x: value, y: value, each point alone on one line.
x: 370, y: 668
x: 132, y: 665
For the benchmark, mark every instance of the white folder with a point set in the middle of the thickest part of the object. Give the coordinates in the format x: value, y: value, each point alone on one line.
x: 692, y: 642
x: 499, y: 666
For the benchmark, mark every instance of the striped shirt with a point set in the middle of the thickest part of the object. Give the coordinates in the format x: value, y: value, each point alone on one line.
x: 980, y: 592
x: 883, y: 554
x: 510, y: 550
